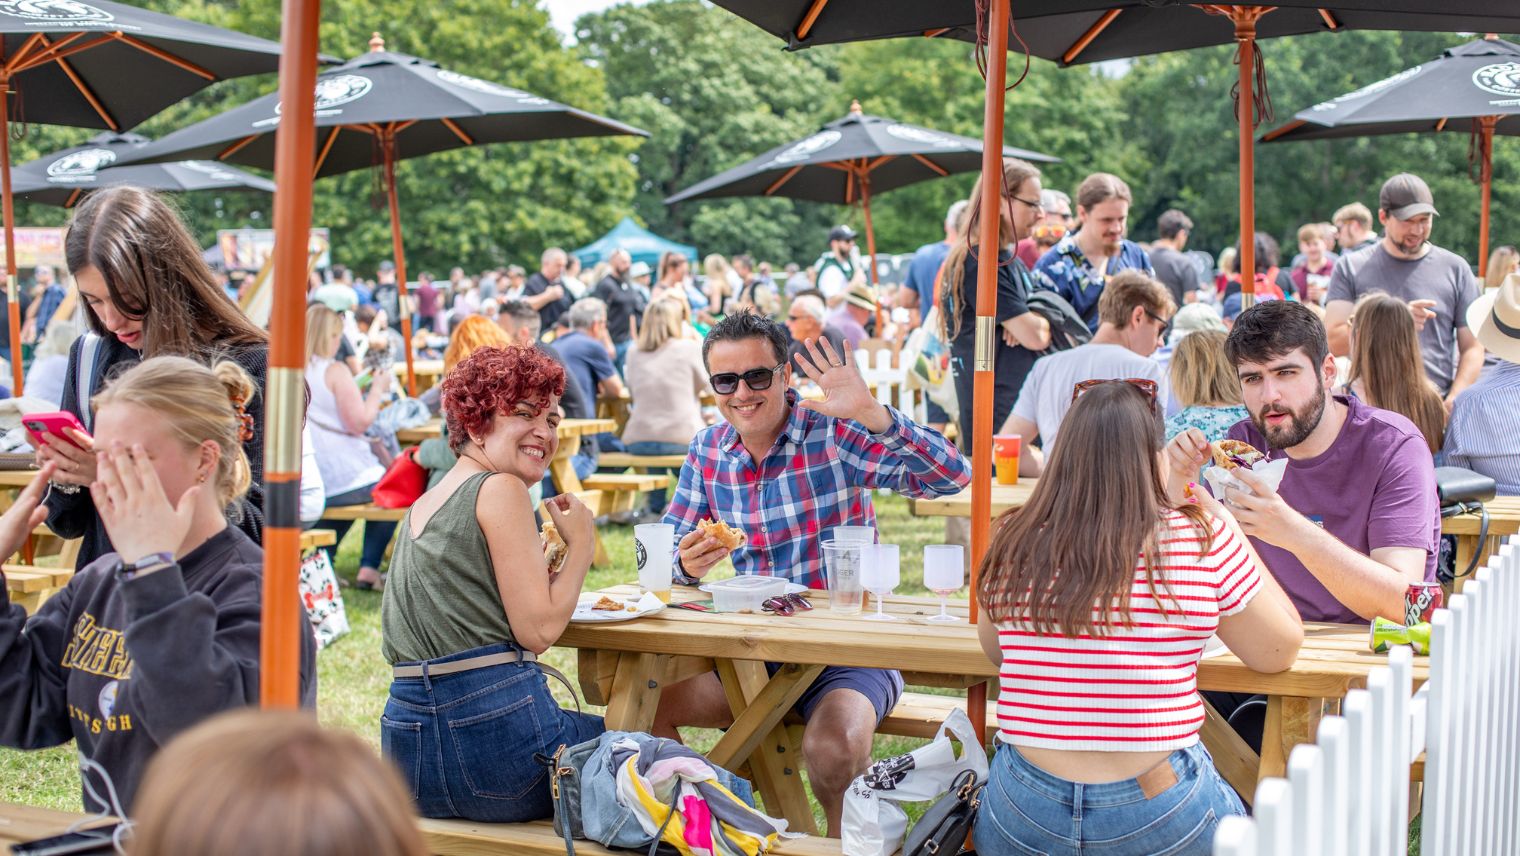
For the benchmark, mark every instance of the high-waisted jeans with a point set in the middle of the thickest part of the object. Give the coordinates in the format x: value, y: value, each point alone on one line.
x: 1027, y: 811
x: 465, y: 741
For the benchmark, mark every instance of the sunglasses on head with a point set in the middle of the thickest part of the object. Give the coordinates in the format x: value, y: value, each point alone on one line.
x: 756, y: 379
x: 786, y: 604
x: 1145, y: 385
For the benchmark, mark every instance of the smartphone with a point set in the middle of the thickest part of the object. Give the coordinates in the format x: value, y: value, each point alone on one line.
x: 38, y: 424
x: 364, y: 380
x: 95, y: 840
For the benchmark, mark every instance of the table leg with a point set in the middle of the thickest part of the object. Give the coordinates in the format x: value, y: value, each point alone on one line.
x: 560, y: 470
x: 776, y: 763
x: 1290, y: 721
x: 1232, y: 755
x: 635, y: 692
x: 763, y: 714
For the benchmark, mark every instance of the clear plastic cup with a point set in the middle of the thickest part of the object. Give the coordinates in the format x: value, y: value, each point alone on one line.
x: 858, y: 534
x: 653, y: 547
x: 841, y: 562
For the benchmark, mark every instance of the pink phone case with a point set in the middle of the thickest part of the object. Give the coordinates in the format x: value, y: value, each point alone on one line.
x: 38, y: 424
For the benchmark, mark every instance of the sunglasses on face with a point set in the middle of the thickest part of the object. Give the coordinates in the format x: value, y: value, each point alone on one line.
x: 786, y: 604
x: 1145, y: 385
x: 756, y: 379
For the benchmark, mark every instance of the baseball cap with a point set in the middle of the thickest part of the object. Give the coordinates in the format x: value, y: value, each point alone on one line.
x: 1198, y: 317
x: 841, y: 233
x: 387, y: 265
x: 1405, y: 196
x: 638, y: 269
x: 337, y: 297
x: 860, y: 295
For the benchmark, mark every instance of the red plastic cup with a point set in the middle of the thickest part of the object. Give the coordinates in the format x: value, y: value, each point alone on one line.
x: 1005, y: 457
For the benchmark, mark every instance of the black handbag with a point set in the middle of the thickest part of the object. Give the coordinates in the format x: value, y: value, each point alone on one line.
x: 944, y: 828
x: 1462, y: 491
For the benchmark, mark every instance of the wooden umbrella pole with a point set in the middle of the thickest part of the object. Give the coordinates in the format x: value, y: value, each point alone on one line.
x: 12, y: 293
x: 865, y: 206
x: 986, y: 326
x: 1245, y: 34
x: 1486, y: 175
x: 389, y: 147
x: 295, y: 142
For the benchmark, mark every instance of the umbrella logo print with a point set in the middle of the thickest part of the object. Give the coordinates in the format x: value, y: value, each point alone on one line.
x: 1367, y: 90
x: 919, y: 135
x: 211, y: 171
x: 464, y: 81
x: 80, y: 166
x: 1501, y: 78
x: 54, y: 11
x: 808, y: 147
x: 342, y: 89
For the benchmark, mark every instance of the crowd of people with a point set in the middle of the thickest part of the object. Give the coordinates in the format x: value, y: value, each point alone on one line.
x: 1116, y: 363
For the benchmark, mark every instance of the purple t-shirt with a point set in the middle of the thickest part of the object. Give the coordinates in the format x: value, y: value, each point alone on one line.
x: 1374, y: 487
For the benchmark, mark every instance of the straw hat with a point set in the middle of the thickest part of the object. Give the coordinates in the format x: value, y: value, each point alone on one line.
x: 1495, y: 317
x: 861, y: 296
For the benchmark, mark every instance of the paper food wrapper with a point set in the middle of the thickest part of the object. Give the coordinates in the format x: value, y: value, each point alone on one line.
x: 649, y: 603
x: 1219, y: 478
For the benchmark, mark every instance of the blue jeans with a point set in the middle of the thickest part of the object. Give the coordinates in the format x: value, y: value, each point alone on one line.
x: 1026, y: 810
x: 657, y: 498
x: 621, y: 358
x: 465, y: 742
x: 377, y: 533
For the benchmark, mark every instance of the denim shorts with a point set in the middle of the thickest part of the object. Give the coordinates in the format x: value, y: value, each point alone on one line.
x: 1027, y: 811
x: 465, y: 742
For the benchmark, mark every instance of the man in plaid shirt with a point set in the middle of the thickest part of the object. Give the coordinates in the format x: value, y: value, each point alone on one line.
x: 786, y: 473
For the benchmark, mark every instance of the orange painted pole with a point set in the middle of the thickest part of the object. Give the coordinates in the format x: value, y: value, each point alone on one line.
x: 986, y: 326
x: 295, y: 143
x: 388, y: 145
x: 12, y: 292
x: 1245, y: 34
x: 865, y: 205
x: 1486, y: 147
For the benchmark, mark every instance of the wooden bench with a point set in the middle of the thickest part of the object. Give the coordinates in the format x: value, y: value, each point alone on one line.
x: 30, y: 586
x: 620, y: 491
x: 639, y: 463
x: 920, y: 715
x: 468, y: 838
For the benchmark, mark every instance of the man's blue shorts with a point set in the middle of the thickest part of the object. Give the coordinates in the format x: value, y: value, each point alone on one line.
x: 882, y: 686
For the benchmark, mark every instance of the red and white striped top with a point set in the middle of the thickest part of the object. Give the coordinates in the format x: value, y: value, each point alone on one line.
x: 1135, y: 690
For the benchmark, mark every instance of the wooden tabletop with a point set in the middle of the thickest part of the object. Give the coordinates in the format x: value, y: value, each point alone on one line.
x: 420, y: 368
x: 568, y: 428
x: 20, y: 823
x: 1333, y: 660
x: 16, y: 478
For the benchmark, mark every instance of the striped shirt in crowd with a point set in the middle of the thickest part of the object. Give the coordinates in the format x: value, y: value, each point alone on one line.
x: 1481, y: 434
x: 1136, y: 689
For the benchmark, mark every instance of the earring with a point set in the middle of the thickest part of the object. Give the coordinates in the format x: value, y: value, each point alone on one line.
x: 202, y: 479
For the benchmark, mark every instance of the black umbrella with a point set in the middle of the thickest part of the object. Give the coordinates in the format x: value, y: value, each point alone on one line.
x: 385, y: 106
x: 103, y: 65
x: 1476, y: 84
x: 62, y: 177
x: 848, y: 160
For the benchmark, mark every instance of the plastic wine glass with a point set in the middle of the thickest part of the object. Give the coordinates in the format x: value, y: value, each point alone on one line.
x: 944, y: 574
x: 879, y: 573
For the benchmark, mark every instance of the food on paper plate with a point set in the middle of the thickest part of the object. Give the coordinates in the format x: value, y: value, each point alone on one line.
x: 555, y: 548
x: 1231, y: 454
x: 607, y: 604
x: 729, y: 537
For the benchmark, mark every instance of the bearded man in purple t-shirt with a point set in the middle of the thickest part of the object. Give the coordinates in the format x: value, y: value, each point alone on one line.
x: 1356, y: 518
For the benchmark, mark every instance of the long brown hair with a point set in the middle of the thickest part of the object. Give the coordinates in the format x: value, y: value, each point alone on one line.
x: 1385, y: 357
x: 1067, y: 558
x: 1015, y: 173
x: 272, y: 783
x: 154, y: 272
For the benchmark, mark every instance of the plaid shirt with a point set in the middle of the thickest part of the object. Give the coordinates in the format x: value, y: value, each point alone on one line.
x: 818, y: 476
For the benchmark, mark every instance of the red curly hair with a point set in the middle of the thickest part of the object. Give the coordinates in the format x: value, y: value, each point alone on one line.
x: 492, y: 381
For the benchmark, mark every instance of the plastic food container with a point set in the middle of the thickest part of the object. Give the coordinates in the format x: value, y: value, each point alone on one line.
x: 744, y: 594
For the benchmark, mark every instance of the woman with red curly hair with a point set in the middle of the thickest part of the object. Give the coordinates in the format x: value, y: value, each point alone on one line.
x: 471, y: 602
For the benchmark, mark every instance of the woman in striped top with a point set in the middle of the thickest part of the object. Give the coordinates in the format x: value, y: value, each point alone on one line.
x: 1098, y: 599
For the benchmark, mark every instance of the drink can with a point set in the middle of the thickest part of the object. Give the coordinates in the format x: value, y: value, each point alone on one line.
x: 1421, y: 600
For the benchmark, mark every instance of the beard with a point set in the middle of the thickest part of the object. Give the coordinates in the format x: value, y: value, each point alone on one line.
x: 1301, y: 422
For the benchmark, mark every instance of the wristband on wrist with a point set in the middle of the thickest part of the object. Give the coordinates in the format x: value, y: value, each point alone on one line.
x: 66, y: 489
x: 150, y: 562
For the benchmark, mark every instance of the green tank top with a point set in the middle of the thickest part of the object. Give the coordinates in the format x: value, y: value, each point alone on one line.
x: 441, y: 596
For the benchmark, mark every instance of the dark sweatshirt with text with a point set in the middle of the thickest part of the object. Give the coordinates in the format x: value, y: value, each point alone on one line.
x: 122, y: 666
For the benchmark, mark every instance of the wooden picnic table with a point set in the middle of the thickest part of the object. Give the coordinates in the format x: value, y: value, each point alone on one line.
x: 427, y: 372
x: 20, y: 823
x: 570, y: 432
x: 627, y: 663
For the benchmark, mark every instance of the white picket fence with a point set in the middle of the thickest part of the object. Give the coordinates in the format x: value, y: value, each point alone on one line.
x: 889, y: 384
x: 1348, y: 793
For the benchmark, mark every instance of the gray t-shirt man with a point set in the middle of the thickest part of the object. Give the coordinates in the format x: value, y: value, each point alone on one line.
x: 1046, y: 394
x: 1439, y: 275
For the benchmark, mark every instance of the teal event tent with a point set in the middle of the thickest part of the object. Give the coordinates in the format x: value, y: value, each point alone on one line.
x: 644, y: 245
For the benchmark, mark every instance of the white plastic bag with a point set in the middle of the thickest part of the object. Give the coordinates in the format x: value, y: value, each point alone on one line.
x: 874, y: 823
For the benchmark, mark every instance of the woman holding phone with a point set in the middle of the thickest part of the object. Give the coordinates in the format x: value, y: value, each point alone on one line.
x: 146, y: 292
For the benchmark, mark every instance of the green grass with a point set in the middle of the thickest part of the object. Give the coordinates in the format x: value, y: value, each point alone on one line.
x: 354, y: 679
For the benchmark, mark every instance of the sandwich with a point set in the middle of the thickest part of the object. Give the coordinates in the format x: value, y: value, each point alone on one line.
x: 1231, y: 454
x: 555, y: 548
x: 729, y: 537
x: 607, y: 604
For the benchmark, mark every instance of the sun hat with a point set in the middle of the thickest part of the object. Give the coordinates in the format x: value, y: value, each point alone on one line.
x: 638, y: 269
x: 860, y: 295
x: 1495, y: 318
x: 1196, y: 318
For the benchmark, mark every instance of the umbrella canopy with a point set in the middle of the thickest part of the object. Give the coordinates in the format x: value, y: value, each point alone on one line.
x: 642, y: 245
x: 816, y: 169
x: 1476, y: 84
x: 376, y: 109
x: 1081, y: 31
x: 409, y: 105
x: 102, y: 65
x: 64, y: 176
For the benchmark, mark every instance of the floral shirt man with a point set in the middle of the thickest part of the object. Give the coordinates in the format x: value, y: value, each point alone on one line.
x: 1067, y: 271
